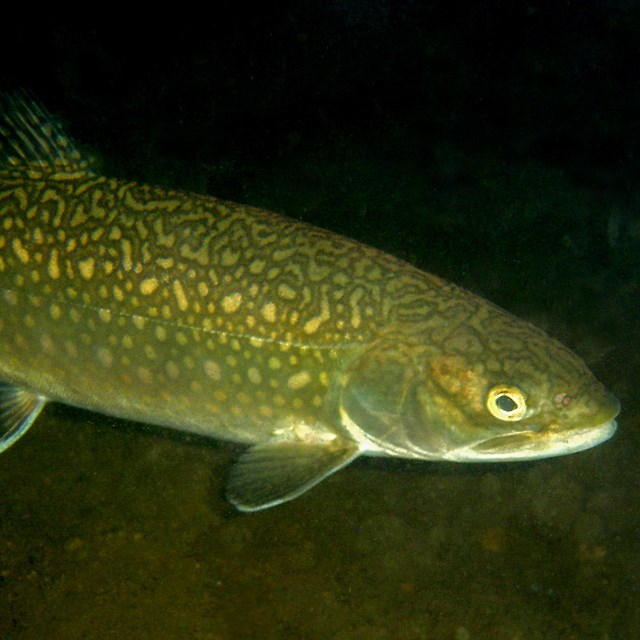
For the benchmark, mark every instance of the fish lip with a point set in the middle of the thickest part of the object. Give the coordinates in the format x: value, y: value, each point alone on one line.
x: 532, y: 444
x: 527, y: 445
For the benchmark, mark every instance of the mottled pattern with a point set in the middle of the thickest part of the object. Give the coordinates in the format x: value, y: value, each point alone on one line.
x: 188, y: 311
x: 178, y: 299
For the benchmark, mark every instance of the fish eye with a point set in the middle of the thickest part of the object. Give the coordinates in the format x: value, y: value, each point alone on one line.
x: 506, y: 403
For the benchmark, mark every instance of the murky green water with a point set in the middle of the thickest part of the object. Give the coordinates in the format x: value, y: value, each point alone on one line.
x: 367, y: 126
x: 109, y: 529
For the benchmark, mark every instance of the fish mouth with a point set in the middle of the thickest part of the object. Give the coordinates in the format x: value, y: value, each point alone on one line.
x: 546, y: 443
x: 533, y: 445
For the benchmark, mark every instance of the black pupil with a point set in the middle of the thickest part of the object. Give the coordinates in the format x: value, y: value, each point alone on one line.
x: 506, y: 404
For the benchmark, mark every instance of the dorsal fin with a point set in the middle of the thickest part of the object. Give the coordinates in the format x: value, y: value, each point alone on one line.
x: 31, y: 137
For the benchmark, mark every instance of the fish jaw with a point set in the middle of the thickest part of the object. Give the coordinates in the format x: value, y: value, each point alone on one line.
x: 534, y: 446
x: 547, y: 443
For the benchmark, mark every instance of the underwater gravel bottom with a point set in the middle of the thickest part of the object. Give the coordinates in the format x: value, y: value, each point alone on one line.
x: 109, y: 529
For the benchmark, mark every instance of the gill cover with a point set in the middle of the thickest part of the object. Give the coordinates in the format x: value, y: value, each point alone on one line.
x: 381, y: 402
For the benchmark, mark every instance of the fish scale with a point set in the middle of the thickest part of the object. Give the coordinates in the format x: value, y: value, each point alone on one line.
x: 190, y: 312
x: 111, y: 296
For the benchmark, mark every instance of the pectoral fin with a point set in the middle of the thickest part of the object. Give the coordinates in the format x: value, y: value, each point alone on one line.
x: 280, y: 470
x: 18, y: 409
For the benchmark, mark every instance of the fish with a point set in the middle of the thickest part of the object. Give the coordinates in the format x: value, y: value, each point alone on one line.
x: 311, y: 349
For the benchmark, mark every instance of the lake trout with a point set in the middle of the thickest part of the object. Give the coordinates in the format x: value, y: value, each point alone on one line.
x: 207, y: 316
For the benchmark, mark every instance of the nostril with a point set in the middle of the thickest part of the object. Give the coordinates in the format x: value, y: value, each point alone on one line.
x: 563, y: 398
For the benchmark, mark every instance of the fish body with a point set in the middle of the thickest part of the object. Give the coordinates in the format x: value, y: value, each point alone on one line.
x: 203, y: 315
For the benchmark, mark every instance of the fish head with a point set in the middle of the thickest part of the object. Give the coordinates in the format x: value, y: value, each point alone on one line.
x: 499, y: 390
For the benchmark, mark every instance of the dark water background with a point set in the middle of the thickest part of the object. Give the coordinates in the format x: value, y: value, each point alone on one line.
x: 494, y: 143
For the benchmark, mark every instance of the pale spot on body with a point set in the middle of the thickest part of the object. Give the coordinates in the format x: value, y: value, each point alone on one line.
x: 96, y: 234
x: 127, y: 255
x: 148, y: 286
x: 87, y: 268
x: 71, y: 349
x: 149, y: 351
x: 105, y: 357
x: 311, y: 326
x: 220, y: 395
x: 268, y: 312
x: 181, y: 298
x: 141, y: 229
x: 354, y: 301
x: 299, y: 380
x: 265, y: 411
x: 232, y: 302
x: 21, y: 253
x: 256, y: 342
x: 172, y: 370
x: 11, y: 298
x: 165, y: 263
x: 212, y: 369
x: 257, y: 266
x: 253, y: 290
x: 254, y: 375
x: 286, y: 292
x: 181, y: 338
x: 53, y: 268
x: 229, y: 257
x: 47, y: 343
x: 144, y: 375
